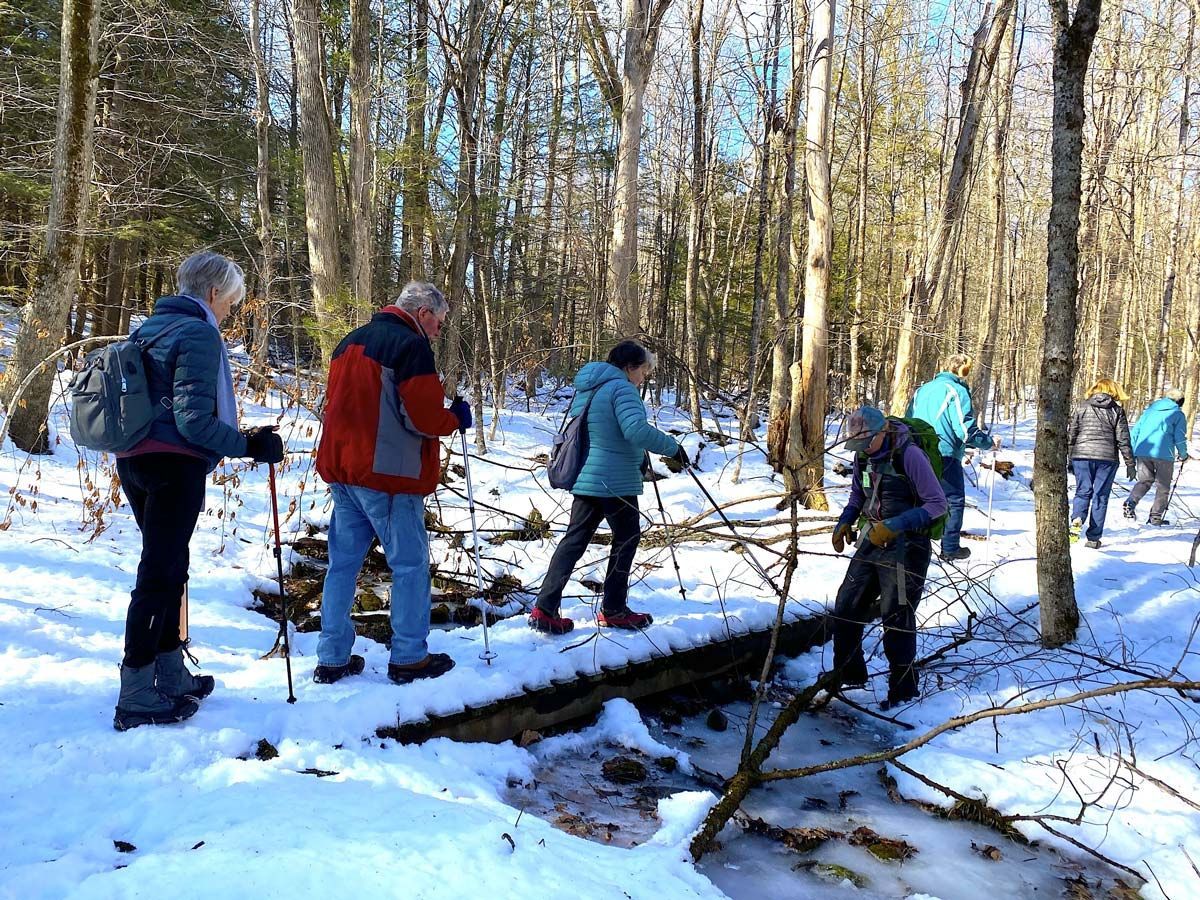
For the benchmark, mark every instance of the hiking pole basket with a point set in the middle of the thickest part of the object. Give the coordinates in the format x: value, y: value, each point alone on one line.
x: 283, y: 621
x: 487, y: 655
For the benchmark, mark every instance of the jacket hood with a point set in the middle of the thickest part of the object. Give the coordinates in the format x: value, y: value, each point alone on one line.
x: 594, y: 374
x: 174, y: 305
x: 949, y: 376
x: 1166, y: 404
x: 1102, y: 400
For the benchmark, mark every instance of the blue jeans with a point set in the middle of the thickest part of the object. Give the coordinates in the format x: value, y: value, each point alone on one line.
x: 956, y: 500
x: 398, y: 520
x: 1093, y: 484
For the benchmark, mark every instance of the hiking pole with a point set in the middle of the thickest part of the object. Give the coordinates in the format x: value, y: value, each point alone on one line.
x: 762, y: 573
x: 991, y: 494
x: 283, y: 622
x: 1178, y: 475
x: 670, y: 543
x: 487, y: 655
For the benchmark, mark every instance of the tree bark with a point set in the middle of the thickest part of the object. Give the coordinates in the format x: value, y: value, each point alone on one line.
x: 266, y: 238
x: 320, y: 191
x: 698, y: 200
x: 1056, y: 587
x: 927, y: 278
x: 806, y: 443
x: 1168, y: 292
x: 44, y: 319
x: 985, y: 349
x: 362, y: 160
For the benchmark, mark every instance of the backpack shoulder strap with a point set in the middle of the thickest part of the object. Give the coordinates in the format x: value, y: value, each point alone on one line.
x: 180, y: 320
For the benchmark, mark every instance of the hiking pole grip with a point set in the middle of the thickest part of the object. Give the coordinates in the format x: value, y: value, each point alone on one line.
x: 283, y: 622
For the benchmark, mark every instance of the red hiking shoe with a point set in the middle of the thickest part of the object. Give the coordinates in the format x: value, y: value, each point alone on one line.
x: 540, y: 620
x: 626, y: 619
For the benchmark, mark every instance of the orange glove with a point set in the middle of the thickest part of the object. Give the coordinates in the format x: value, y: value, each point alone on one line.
x: 880, y: 534
x: 841, y: 534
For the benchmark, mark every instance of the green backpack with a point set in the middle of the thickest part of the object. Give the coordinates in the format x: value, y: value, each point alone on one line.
x: 926, y: 438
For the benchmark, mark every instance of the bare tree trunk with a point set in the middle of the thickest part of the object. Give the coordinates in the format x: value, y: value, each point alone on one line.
x: 44, y: 319
x: 320, y: 190
x: 626, y: 98
x: 1056, y: 586
x: 698, y: 200
x: 414, y: 165
x: 985, y: 350
x: 866, y: 100
x: 466, y: 89
x: 779, y: 415
x: 362, y: 160
x: 806, y: 442
x: 927, y: 278
x: 1168, y: 293
x: 266, y: 240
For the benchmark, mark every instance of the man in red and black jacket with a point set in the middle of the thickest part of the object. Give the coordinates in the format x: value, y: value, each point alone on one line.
x: 379, y: 453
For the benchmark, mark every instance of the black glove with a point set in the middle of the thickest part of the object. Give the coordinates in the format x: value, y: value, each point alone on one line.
x: 681, y: 457
x: 462, y: 412
x: 1131, y: 472
x: 263, y: 444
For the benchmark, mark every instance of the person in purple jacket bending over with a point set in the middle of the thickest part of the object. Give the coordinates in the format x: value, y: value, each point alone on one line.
x: 896, y: 497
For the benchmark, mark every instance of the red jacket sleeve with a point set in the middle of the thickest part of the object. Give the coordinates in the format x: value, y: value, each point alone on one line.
x: 423, y: 400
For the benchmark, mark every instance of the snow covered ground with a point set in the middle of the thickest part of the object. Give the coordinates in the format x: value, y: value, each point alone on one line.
x: 340, y: 812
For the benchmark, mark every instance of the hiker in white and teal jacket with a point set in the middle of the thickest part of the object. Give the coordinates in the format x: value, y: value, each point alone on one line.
x: 608, y: 486
x: 1158, y: 437
x: 945, y: 403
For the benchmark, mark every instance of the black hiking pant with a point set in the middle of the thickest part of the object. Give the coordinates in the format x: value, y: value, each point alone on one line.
x: 166, y: 492
x: 587, y: 513
x: 872, y: 587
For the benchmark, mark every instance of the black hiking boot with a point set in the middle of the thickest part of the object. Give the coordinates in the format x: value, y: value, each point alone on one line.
x: 330, y: 674
x: 141, y: 703
x: 172, y: 677
x: 960, y: 553
x: 1128, y: 512
x: 432, y: 666
x: 903, y: 687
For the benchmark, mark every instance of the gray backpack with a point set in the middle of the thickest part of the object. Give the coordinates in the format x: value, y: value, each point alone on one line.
x: 111, y: 406
x: 570, y: 451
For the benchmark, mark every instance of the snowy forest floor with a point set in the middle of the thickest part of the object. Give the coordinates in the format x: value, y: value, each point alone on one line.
x: 339, y: 811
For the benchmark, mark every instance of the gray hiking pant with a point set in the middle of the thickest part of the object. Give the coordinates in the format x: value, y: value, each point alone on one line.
x: 1157, y: 472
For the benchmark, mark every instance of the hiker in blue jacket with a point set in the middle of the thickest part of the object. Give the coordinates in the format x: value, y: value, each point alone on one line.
x: 608, y: 485
x: 945, y: 403
x: 1158, y: 437
x: 164, y: 476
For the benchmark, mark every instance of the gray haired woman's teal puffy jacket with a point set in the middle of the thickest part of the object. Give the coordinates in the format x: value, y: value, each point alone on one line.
x: 182, y: 370
x: 618, y: 433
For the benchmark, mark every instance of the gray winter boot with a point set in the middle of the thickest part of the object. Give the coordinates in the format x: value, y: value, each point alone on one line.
x: 174, y: 680
x: 141, y: 703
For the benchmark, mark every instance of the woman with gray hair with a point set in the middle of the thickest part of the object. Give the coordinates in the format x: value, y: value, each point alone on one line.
x: 163, y: 477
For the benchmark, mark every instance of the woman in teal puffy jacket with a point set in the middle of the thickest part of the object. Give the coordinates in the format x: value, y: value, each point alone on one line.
x: 608, y: 485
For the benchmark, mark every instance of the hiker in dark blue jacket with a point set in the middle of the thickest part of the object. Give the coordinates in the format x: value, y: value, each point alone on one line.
x: 945, y: 403
x: 895, y: 491
x: 1158, y: 437
x: 164, y: 477
x: 608, y: 485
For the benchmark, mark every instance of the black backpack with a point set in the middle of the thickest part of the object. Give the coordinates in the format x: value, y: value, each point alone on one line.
x: 570, y: 450
x: 111, y: 406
